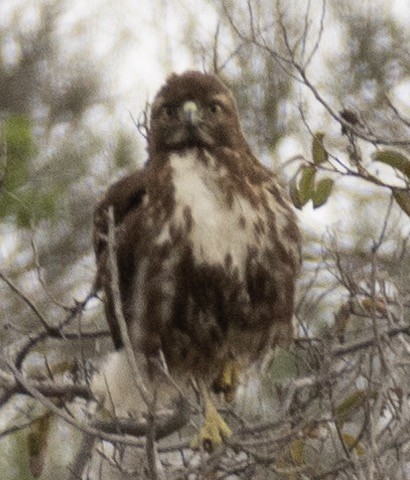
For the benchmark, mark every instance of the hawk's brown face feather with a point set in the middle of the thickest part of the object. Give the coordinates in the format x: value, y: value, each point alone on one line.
x: 213, y: 120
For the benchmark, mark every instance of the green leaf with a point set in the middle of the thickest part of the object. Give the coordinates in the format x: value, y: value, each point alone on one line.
x: 395, y: 159
x: 319, y: 154
x: 354, y: 444
x: 37, y: 441
x: 322, y: 192
x: 301, y: 192
x: 306, y: 184
x: 292, y: 455
x: 297, y: 451
x: 294, y: 192
x: 402, y: 197
x: 353, y: 403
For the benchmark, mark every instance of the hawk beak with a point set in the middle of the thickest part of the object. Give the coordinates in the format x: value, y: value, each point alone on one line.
x: 191, y: 114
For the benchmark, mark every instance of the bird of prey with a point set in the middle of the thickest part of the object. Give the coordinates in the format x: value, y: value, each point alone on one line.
x: 207, y: 245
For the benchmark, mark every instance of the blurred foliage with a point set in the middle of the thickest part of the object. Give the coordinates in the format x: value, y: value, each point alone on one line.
x: 19, y: 198
x: 18, y: 143
x: 60, y: 146
x: 14, y: 464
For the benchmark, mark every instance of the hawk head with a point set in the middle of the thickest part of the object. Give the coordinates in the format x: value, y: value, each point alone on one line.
x: 193, y: 110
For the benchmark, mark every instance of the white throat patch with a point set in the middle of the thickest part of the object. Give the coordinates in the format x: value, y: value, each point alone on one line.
x: 217, y: 229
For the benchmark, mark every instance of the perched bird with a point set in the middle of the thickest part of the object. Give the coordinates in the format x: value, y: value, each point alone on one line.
x: 207, y: 244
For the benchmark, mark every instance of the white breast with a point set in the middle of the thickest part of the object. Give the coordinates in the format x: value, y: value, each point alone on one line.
x: 217, y: 229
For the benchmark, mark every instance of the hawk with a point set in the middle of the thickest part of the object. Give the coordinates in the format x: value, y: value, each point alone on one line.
x: 208, y: 248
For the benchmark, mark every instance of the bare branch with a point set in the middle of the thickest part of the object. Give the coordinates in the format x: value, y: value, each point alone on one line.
x: 138, y: 379
x: 46, y: 388
x: 28, y: 302
x: 56, y: 332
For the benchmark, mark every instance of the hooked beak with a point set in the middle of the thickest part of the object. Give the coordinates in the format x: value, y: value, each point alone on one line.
x: 191, y: 114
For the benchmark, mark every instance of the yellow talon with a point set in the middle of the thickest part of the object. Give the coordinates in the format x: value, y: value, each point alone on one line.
x: 214, y: 430
x: 228, y: 380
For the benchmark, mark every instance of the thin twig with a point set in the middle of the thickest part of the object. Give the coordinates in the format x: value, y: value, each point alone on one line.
x: 35, y: 393
x: 46, y: 388
x: 119, y: 316
x: 55, y: 332
x: 28, y: 302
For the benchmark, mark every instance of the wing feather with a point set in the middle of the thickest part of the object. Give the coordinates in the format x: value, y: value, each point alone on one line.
x: 125, y: 196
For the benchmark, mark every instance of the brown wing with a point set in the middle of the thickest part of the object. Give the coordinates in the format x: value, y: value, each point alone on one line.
x: 125, y: 196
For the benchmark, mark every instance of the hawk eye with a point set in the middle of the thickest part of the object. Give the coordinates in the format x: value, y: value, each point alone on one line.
x: 170, y: 111
x: 214, y: 107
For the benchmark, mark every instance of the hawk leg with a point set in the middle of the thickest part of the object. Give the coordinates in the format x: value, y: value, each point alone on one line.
x: 214, y: 429
x: 228, y: 380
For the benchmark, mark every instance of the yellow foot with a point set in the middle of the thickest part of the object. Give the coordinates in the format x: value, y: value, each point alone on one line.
x: 227, y: 380
x: 213, y: 432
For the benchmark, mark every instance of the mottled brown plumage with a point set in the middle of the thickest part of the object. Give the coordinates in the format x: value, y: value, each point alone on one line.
x: 208, y: 246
